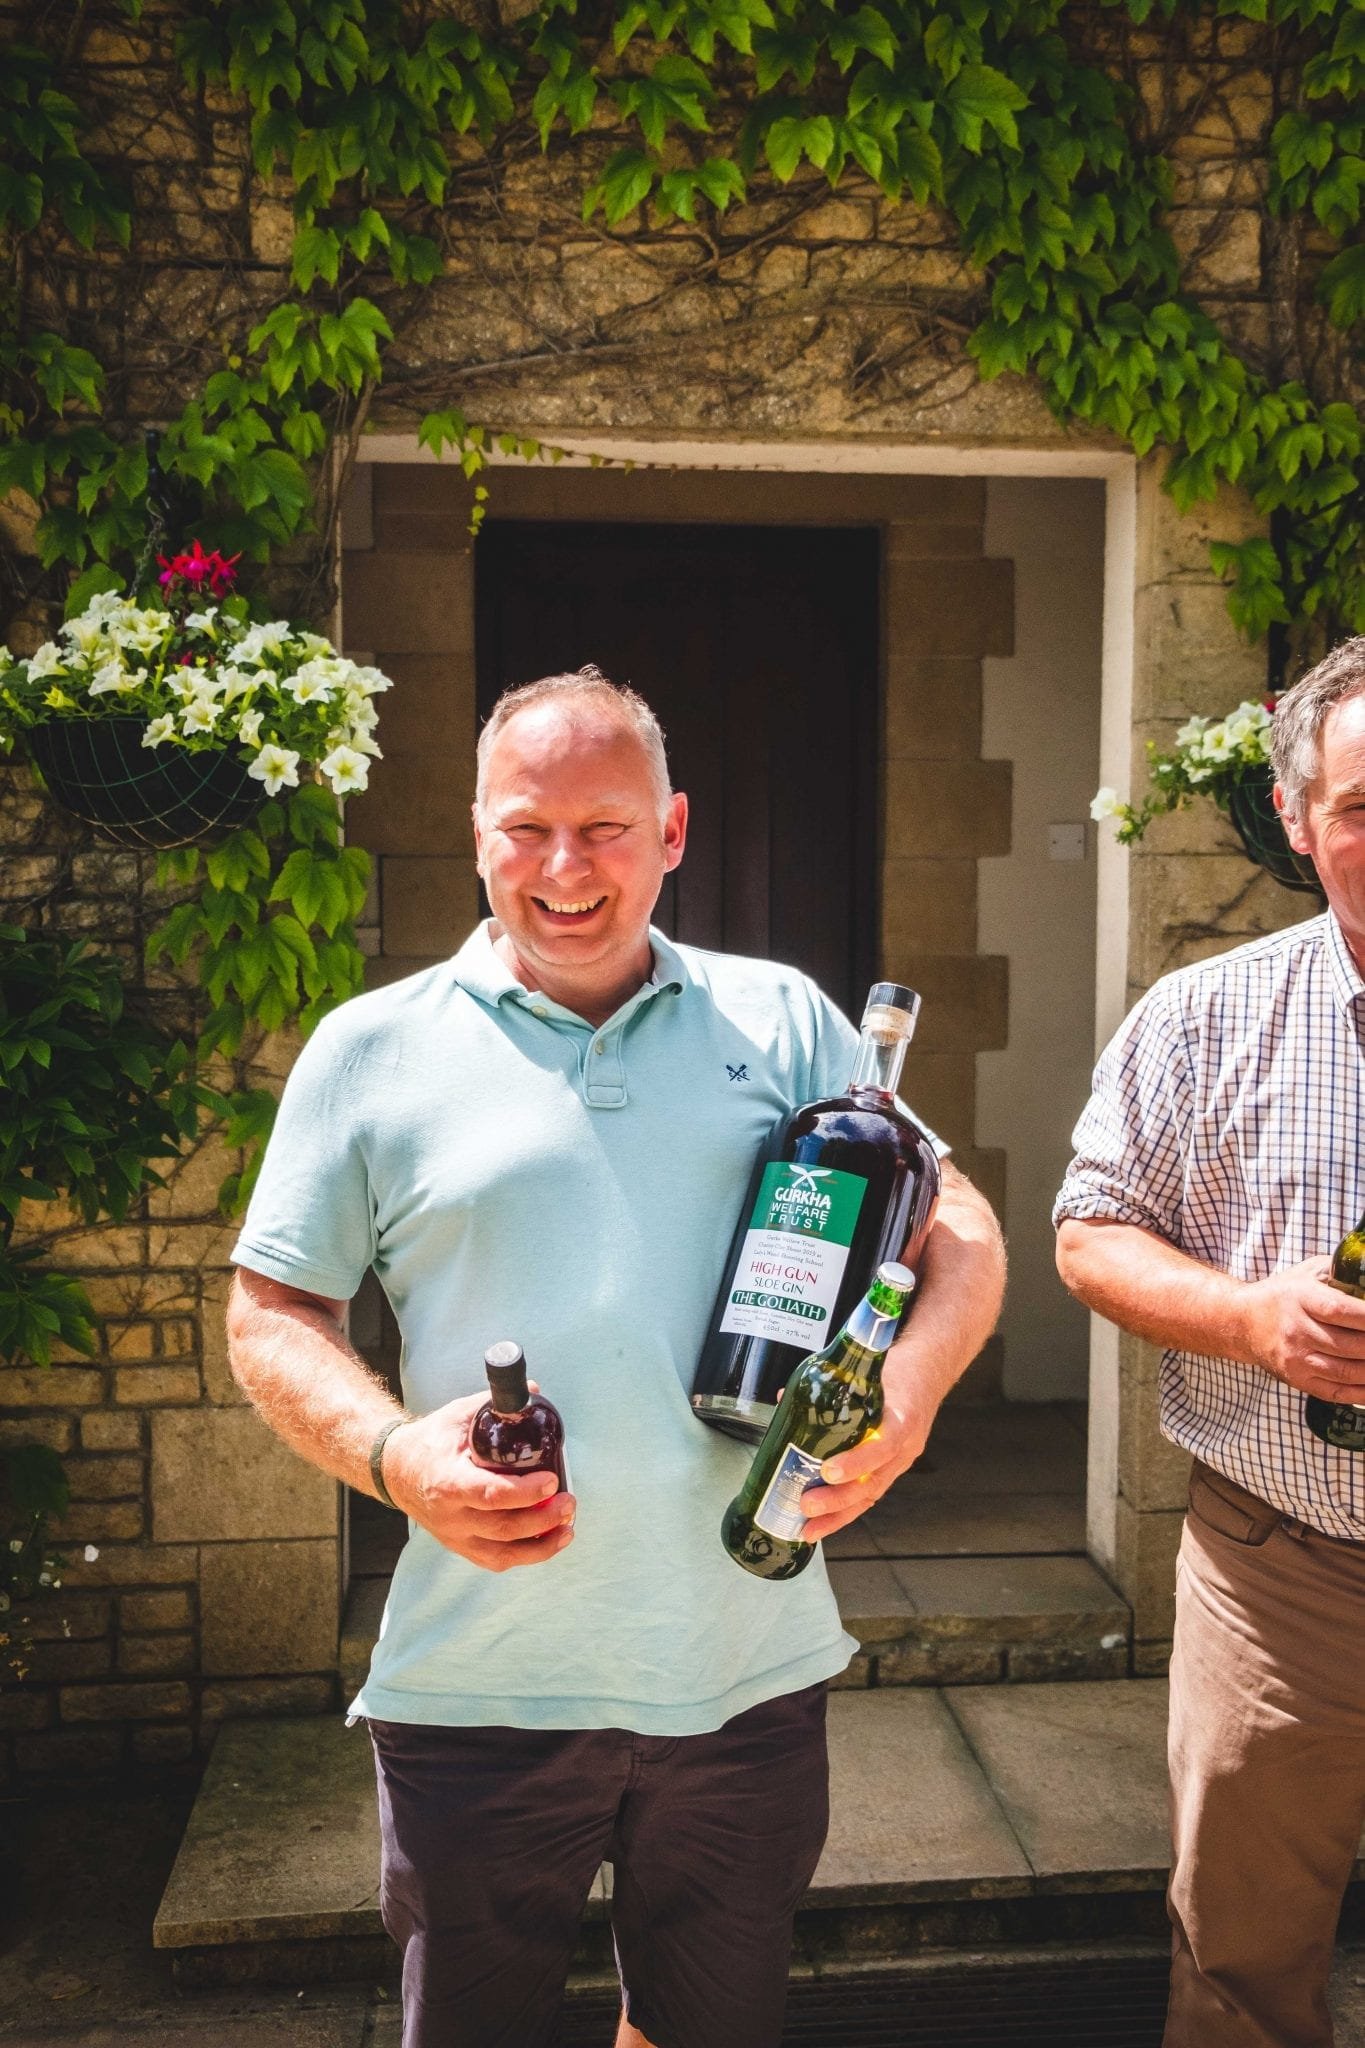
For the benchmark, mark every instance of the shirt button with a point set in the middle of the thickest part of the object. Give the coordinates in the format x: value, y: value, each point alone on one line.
x: 536, y: 1011
x: 599, y: 1049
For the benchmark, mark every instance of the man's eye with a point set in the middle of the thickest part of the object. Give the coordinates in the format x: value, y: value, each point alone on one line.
x: 605, y: 829
x: 524, y: 831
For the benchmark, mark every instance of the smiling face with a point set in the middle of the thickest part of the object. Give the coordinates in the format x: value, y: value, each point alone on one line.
x: 1331, y: 824
x: 573, y: 852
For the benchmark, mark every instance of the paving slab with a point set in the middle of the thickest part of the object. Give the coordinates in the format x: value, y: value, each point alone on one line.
x: 1063, y: 1598
x: 1021, y: 1447
x: 874, y: 1606
x: 1080, y: 1771
x: 907, y: 1524
x: 911, y: 1813
x: 283, y: 1842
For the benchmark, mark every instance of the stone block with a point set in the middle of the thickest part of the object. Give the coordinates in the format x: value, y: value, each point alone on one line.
x: 409, y: 488
x: 837, y: 220
x: 941, y: 1089
x: 932, y: 812
x: 1152, y: 1657
x: 950, y: 608
x: 923, y: 541
x: 156, y: 1656
x: 1220, y: 247
x: 1183, y: 908
x: 933, y: 708
x: 856, y: 1676
x: 105, y: 1478
x: 430, y: 906
x: 406, y: 604
x: 63, y: 1752
x: 940, y: 1663
x: 928, y: 906
x: 269, y: 1607
x: 219, y: 1385
x: 419, y: 803
x: 142, y: 1564
x: 985, y: 1167
x: 53, y: 1386
x: 1189, y: 655
x: 106, y: 1245
x: 25, y: 1710
x: 169, y: 1702
x: 191, y: 1245
x: 146, y: 1611
x: 156, y: 1386
x: 162, y: 1745
x: 966, y: 999
x: 58, y: 1661
x: 57, y: 1432
x: 130, y: 1340
x: 1172, y: 543
x: 69, y: 1616
x: 1027, y: 1663
x: 99, y: 1521
x: 105, y: 1432
x: 218, y: 1474
x: 245, y: 1698
x: 1146, y: 1543
x: 431, y: 703
x: 1153, y: 1472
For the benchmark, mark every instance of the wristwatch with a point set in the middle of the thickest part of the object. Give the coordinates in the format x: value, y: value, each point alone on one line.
x: 377, y: 1458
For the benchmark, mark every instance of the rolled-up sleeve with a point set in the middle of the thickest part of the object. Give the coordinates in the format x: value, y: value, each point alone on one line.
x: 1132, y: 1140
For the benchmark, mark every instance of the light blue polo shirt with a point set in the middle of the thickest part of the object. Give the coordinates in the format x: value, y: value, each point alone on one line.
x: 509, y: 1171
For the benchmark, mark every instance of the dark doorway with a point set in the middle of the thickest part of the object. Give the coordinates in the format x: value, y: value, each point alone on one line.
x: 757, y: 647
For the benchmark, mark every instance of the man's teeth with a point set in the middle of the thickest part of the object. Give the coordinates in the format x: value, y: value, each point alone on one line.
x: 569, y: 909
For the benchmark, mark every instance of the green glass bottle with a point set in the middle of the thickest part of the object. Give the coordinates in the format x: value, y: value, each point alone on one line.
x: 1342, y: 1423
x: 832, y: 1401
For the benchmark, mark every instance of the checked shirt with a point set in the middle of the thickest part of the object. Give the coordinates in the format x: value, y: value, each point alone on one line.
x: 1227, y: 1118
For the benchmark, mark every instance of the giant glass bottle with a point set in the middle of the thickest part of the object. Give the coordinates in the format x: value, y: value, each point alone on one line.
x: 840, y: 1185
x: 1342, y: 1423
x: 831, y: 1403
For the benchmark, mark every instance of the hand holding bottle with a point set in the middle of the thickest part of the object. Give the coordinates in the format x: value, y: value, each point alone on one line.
x: 495, y: 1519
x: 1307, y: 1331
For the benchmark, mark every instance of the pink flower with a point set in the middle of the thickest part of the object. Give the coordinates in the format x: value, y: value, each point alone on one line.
x: 212, y: 571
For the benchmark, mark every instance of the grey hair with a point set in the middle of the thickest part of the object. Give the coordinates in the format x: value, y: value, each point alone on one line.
x: 1295, y: 739
x: 589, y: 687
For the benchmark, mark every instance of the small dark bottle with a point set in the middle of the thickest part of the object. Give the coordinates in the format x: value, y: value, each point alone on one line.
x: 516, y: 1430
x: 1342, y: 1423
x: 840, y: 1186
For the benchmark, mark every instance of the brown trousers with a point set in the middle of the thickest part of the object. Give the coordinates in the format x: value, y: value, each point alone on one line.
x: 1267, y: 1760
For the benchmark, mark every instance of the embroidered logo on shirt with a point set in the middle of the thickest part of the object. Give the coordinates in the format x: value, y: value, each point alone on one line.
x: 740, y: 1073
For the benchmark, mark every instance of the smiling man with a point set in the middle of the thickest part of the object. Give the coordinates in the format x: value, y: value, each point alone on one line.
x: 1217, y: 1166
x: 539, y: 1139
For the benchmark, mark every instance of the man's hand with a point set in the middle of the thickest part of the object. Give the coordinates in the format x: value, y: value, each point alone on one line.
x: 495, y: 1519
x: 851, y: 1482
x: 1307, y: 1332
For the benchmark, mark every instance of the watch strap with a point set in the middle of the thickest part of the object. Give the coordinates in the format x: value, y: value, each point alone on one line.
x: 377, y: 1459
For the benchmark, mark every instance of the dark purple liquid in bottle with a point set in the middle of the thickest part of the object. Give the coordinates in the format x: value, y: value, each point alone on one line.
x: 516, y: 1430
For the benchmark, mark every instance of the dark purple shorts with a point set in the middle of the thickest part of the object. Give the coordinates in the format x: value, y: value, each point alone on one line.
x: 492, y: 1838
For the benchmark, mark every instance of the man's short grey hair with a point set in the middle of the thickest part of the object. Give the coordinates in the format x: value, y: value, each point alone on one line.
x: 586, y: 688
x: 1296, y: 736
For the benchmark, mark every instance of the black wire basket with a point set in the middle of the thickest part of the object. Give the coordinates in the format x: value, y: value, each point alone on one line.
x: 150, y: 797
x: 1251, y: 808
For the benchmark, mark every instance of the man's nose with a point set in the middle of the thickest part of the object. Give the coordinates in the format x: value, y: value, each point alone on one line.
x: 567, y: 855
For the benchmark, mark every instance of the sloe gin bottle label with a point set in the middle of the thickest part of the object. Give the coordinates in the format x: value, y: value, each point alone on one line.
x: 789, y: 1272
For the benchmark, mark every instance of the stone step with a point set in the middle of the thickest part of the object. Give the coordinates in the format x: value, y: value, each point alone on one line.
x: 967, y: 1816
x: 920, y: 1620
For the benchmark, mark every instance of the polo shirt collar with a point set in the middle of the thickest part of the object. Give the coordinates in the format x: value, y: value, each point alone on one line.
x: 1347, y: 985
x: 479, y: 969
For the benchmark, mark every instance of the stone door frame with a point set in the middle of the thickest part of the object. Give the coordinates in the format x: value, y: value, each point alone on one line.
x: 1130, y: 489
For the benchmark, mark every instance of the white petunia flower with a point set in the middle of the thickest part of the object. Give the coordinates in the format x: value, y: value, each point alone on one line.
x: 276, y: 767
x: 345, y: 769
x: 112, y: 676
x: 199, y: 715
x: 311, y: 685
x: 263, y: 644
x: 159, y: 731
x: 234, y: 683
x: 48, y: 661
x: 249, y: 727
x: 201, y: 622
x: 1106, y: 803
x: 1190, y: 731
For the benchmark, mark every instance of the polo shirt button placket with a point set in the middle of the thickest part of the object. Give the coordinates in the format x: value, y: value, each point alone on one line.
x: 604, y: 1077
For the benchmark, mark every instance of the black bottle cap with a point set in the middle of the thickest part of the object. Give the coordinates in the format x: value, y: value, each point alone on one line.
x: 893, y: 995
x: 505, y: 1365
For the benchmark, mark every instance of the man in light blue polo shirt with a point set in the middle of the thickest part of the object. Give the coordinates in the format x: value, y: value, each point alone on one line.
x: 541, y: 1139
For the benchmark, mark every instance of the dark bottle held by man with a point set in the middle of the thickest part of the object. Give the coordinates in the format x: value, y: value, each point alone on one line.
x: 839, y: 1186
x: 1342, y: 1423
x: 516, y: 1430
x: 831, y: 1403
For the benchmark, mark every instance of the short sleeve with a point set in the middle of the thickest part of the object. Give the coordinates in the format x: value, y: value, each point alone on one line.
x: 836, y: 1041
x: 310, y: 1221
x: 1131, y: 1141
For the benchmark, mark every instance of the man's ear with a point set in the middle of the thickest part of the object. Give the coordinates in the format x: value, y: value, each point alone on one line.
x: 478, y: 839
x: 1293, y: 826
x: 675, y: 831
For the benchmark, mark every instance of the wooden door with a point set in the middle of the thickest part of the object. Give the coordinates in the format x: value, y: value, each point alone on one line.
x: 757, y: 648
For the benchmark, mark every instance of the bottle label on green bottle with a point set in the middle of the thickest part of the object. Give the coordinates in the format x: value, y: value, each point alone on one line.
x: 795, y: 1250
x: 779, y: 1512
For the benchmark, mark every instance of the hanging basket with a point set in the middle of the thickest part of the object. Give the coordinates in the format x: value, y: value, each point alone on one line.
x: 99, y: 770
x: 1252, y: 810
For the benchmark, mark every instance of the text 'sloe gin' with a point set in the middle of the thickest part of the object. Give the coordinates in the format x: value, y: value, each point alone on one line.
x: 1342, y: 1423
x: 839, y: 1186
x: 831, y: 1403
x: 516, y: 1430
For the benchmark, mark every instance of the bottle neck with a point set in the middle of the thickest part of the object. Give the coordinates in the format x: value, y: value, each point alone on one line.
x: 878, y: 1062
x: 868, y: 1327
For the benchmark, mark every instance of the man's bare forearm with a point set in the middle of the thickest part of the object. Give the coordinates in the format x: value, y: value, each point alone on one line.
x: 290, y: 1357
x: 1147, y: 1286
x: 962, y: 1284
